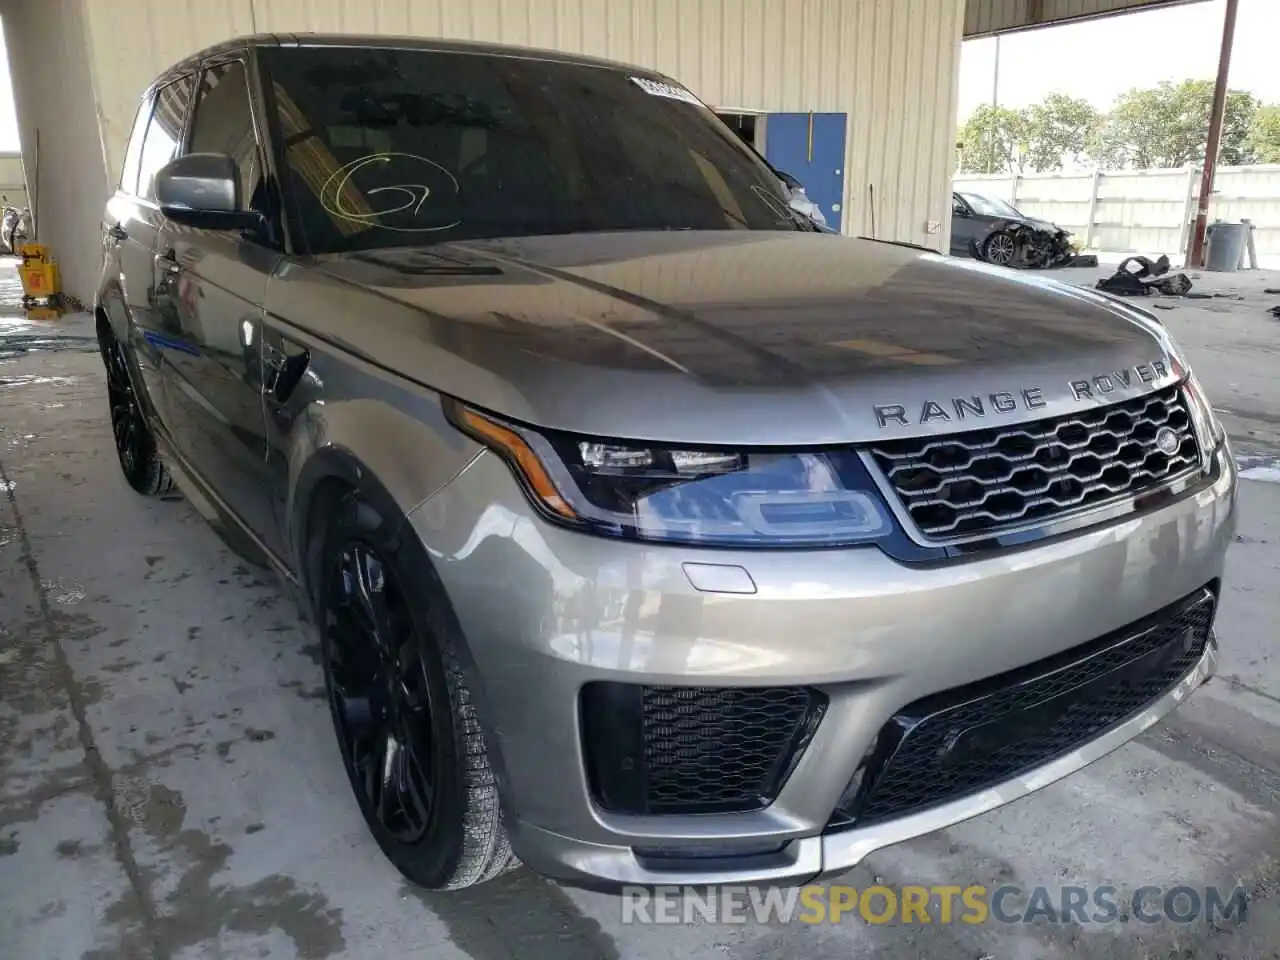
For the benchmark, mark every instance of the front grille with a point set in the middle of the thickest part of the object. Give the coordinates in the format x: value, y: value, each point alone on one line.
x: 662, y: 749
x: 987, y: 481
x: 971, y: 738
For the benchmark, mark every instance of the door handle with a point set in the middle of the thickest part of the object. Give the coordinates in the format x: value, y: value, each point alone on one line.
x: 283, y: 371
x: 274, y: 361
x: 117, y: 232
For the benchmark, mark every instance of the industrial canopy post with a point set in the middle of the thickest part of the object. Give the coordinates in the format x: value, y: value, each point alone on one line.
x: 1214, y: 142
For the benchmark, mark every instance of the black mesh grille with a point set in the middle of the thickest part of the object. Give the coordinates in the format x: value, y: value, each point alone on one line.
x: 972, y: 738
x: 705, y: 745
x: 986, y: 481
x: 661, y: 749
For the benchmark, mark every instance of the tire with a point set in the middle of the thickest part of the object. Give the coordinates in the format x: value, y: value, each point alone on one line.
x: 135, y: 445
x: 999, y: 248
x: 454, y: 836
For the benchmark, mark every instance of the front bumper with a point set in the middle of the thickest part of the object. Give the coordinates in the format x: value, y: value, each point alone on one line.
x: 546, y: 611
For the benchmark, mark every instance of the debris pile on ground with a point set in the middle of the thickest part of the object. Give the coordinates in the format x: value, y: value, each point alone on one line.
x: 1141, y: 276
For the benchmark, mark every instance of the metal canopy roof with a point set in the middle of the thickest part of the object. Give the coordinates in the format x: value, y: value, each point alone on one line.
x: 985, y: 18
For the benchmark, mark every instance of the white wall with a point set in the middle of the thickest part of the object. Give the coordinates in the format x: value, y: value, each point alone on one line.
x: 891, y: 66
x: 1143, y: 211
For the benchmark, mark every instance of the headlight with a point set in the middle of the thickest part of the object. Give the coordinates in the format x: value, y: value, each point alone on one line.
x: 1207, y: 425
x: 684, y: 495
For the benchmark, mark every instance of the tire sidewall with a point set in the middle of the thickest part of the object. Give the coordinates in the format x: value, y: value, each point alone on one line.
x: 434, y: 858
x: 1001, y: 234
x: 146, y: 475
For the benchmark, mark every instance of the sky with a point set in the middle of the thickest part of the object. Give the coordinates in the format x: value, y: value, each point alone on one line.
x: 1100, y: 59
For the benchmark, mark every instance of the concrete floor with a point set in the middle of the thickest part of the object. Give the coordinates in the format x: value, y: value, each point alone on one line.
x: 169, y: 785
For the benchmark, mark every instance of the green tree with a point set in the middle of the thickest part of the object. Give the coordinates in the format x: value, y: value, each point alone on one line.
x: 993, y: 140
x: 1058, y: 130
x: 1167, y: 126
x: 1264, y: 135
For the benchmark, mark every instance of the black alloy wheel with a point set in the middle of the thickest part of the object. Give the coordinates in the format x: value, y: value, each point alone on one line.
x: 411, y: 741
x: 379, y: 693
x: 135, y: 446
x: 1000, y: 249
x: 126, y: 417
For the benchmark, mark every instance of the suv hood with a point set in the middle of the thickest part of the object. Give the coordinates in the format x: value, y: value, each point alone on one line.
x: 732, y: 337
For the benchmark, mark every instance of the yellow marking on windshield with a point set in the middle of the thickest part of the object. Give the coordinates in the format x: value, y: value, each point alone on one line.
x: 316, y: 166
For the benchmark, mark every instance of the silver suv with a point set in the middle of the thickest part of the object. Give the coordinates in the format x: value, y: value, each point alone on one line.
x: 653, y: 535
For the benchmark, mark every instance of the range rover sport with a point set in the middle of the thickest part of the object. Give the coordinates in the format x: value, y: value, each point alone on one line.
x: 652, y: 534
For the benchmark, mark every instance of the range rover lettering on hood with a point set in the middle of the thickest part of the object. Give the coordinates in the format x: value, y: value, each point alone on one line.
x: 1024, y: 398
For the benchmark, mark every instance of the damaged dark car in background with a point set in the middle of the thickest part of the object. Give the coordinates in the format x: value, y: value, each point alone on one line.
x: 995, y: 232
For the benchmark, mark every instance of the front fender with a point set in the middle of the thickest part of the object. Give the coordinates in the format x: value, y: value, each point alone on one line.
x: 394, y: 458
x: 396, y: 461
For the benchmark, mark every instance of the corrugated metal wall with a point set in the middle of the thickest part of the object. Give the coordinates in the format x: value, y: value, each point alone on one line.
x: 134, y: 40
x: 890, y: 65
x: 985, y: 17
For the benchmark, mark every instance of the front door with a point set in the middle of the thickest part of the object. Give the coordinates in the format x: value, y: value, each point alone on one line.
x: 811, y: 147
x: 133, y: 225
x: 963, y: 227
x: 214, y: 283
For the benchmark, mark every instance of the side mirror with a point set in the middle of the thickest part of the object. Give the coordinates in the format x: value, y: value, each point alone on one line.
x: 203, y: 190
x: 959, y: 210
x: 792, y: 183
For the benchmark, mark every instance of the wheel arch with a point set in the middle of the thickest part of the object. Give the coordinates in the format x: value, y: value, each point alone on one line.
x: 330, y: 475
x: 107, y: 326
x: 102, y: 322
x: 109, y: 303
x: 327, y: 477
x: 395, y: 451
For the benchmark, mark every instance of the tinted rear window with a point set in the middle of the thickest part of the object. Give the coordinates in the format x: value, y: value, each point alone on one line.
x: 382, y: 147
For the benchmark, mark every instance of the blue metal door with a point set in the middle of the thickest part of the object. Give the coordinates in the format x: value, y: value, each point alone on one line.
x: 810, y: 147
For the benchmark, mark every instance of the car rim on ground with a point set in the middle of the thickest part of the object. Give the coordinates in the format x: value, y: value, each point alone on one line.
x: 378, y: 692
x: 126, y: 416
x: 1000, y: 249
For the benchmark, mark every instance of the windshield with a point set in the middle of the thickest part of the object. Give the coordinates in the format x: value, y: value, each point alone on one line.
x: 383, y: 147
x: 989, y: 206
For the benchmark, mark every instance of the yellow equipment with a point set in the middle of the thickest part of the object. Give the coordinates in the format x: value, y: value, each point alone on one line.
x: 45, y: 313
x: 39, y: 272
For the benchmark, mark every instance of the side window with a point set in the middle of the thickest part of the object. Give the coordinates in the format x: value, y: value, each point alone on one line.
x: 133, y: 152
x: 224, y: 124
x: 164, y: 133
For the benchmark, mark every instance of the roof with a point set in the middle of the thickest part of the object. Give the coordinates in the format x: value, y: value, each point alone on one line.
x: 436, y: 45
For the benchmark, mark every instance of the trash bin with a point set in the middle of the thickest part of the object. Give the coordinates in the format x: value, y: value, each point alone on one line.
x: 1226, y: 243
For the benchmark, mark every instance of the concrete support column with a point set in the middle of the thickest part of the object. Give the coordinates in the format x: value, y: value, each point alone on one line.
x: 51, y: 61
